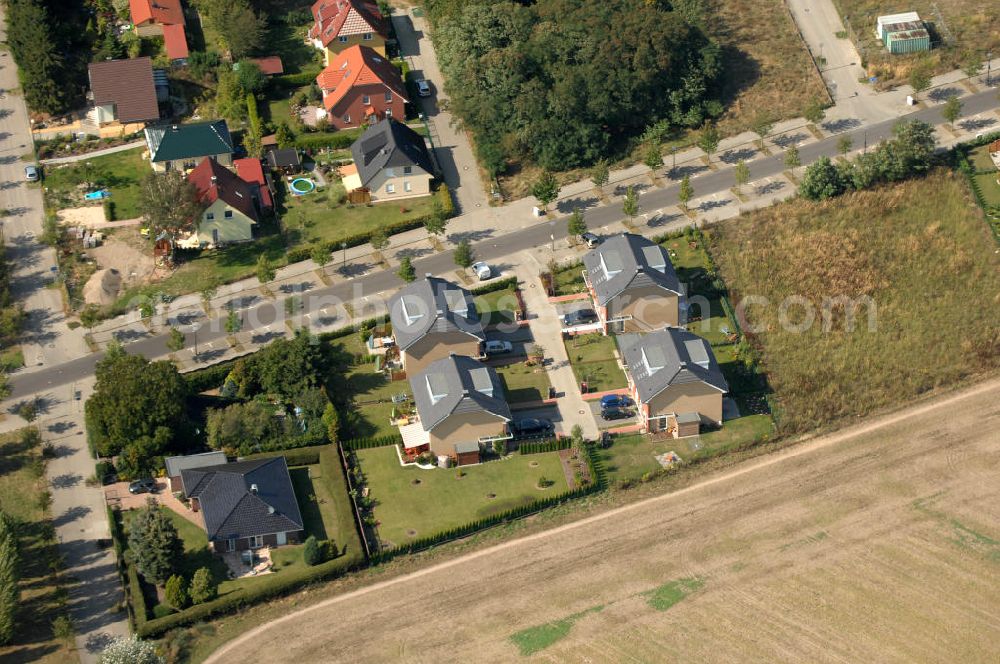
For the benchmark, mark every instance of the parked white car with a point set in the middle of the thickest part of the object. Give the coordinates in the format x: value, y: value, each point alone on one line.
x: 495, y: 347
x: 482, y: 270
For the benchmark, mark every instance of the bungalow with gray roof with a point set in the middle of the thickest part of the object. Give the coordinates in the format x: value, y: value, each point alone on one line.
x: 391, y: 162
x: 245, y: 505
x: 460, y: 407
x: 433, y: 318
x: 176, y: 464
x: 674, y: 378
x: 180, y: 147
x: 633, y: 285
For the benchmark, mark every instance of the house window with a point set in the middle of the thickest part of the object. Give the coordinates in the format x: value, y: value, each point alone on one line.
x: 407, y: 186
x: 228, y: 214
x: 231, y: 544
x: 366, y: 100
x: 388, y: 112
x: 256, y: 541
x: 209, y: 216
x: 407, y: 170
x: 215, y: 236
x: 388, y: 97
x: 342, y: 39
x: 368, y: 36
x: 347, y: 118
x: 390, y: 189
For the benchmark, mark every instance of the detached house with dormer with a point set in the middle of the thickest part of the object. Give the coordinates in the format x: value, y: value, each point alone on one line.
x: 634, y: 285
x: 229, y: 213
x: 391, y: 161
x: 674, y: 379
x: 180, y: 147
x: 361, y: 86
x: 433, y: 318
x: 460, y: 407
x: 341, y: 24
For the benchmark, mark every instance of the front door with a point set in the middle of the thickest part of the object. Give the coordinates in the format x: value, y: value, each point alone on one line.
x: 231, y: 544
x: 282, y: 539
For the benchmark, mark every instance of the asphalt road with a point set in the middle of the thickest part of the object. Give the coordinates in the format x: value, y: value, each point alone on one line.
x: 508, y: 244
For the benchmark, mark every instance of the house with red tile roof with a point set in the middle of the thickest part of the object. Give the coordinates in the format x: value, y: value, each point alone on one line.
x: 229, y: 214
x: 251, y: 171
x: 341, y: 24
x: 161, y: 18
x: 361, y: 86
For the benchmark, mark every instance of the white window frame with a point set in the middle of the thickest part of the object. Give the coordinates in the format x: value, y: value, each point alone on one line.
x: 228, y: 214
x: 347, y: 118
x: 256, y: 541
x: 209, y: 216
x: 407, y: 186
x: 388, y: 97
x: 366, y: 100
x: 230, y: 545
x: 390, y: 188
x: 368, y: 36
x: 342, y: 39
x: 388, y: 112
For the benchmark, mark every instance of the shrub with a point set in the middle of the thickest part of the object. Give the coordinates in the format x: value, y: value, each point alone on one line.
x: 203, y: 586
x: 130, y: 650
x: 176, y: 592
x: 109, y: 210
x: 310, y: 552
x: 62, y: 629
x: 9, y: 577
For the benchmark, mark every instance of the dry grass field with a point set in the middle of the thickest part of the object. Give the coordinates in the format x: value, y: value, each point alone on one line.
x: 879, y: 543
x: 972, y: 24
x: 919, y: 250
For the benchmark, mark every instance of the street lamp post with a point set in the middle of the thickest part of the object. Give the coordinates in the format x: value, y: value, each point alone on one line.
x: 343, y: 246
x: 989, y: 63
x: 194, y: 330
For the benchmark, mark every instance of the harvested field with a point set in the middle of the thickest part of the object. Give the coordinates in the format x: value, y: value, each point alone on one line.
x: 887, y: 533
x: 921, y: 265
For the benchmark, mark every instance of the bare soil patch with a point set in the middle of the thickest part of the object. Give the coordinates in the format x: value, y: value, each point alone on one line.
x: 876, y: 533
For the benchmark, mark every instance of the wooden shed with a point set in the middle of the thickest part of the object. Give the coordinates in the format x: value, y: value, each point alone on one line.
x: 466, y: 453
x: 688, y: 424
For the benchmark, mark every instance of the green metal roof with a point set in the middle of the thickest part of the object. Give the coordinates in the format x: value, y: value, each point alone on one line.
x: 187, y: 141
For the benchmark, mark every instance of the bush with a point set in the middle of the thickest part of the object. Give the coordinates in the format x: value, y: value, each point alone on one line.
x: 333, y: 141
x: 9, y: 576
x: 208, y: 379
x: 310, y: 552
x: 109, y: 210
x: 303, y: 456
x: 105, y: 471
x: 176, y: 592
x: 295, y: 80
x: 367, y: 443
x: 203, y: 586
x: 537, y: 447
x: 130, y: 650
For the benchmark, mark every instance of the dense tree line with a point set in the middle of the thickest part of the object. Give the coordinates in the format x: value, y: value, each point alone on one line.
x: 239, y: 25
x: 9, y: 577
x: 908, y: 153
x: 11, y: 313
x: 567, y: 82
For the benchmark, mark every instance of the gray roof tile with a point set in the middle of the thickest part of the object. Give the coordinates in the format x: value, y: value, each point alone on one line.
x: 457, y: 384
x: 628, y: 261
x: 389, y: 144
x: 432, y: 305
x: 669, y: 357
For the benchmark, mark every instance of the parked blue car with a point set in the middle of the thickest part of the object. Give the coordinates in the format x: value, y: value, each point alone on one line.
x: 615, y: 401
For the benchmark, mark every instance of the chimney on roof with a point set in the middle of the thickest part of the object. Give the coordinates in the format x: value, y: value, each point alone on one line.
x: 214, y: 179
x: 253, y: 489
x: 270, y: 509
x: 174, y: 127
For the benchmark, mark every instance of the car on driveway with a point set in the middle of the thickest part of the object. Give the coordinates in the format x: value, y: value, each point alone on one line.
x: 580, y: 317
x: 531, y: 427
x: 496, y: 347
x: 615, y: 401
x: 482, y: 270
x: 144, y: 485
x: 590, y: 239
x: 31, y: 173
x: 423, y: 87
x: 615, y: 414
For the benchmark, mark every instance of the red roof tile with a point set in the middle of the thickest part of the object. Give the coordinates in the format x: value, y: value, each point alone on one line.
x: 358, y: 65
x: 270, y: 65
x: 250, y: 170
x: 225, y: 185
x: 334, y: 17
x: 175, y: 41
x: 157, y: 11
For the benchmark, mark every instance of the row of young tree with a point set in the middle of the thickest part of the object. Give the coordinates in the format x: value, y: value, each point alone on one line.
x: 908, y: 153
x: 547, y: 82
x: 10, y: 593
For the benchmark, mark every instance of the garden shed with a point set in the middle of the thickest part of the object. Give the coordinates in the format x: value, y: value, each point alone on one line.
x: 467, y: 453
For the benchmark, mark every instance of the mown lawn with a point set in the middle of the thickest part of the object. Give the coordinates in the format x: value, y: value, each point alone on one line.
x: 981, y: 161
x: 569, y: 280
x: 443, y: 499
x: 989, y: 185
x: 120, y: 173
x: 497, y: 307
x: 919, y: 250
x: 592, y: 358
x: 524, y: 383
x: 22, y: 485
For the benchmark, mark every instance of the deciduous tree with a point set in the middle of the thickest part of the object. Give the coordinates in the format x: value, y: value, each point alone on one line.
x: 169, y: 204
x: 545, y: 189
x: 686, y: 191
x: 709, y: 138
x: 204, y: 587
x: 463, y: 254
x: 792, y: 159
x: 952, y: 109
x: 576, y: 225
x: 630, y: 204
x: 406, y: 271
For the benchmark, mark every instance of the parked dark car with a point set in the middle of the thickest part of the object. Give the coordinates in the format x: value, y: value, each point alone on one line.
x: 615, y: 401
x: 615, y: 414
x: 145, y: 485
x: 580, y: 317
x: 532, y: 427
x: 590, y: 239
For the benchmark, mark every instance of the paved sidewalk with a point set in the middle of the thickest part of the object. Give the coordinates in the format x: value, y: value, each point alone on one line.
x: 80, y: 520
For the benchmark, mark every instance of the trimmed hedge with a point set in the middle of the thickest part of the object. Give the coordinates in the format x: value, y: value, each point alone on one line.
x: 136, y: 599
x: 208, y: 378
x: 367, y: 443
x: 306, y: 77
x: 302, y: 456
x: 553, y: 445
x: 502, y: 284
x: 318, y: 141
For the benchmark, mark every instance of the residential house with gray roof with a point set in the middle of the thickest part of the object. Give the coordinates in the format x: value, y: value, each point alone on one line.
x: 460, y: 406
x: 674, y: 378
x: 180, y: 147
x: 176, y: 464
x: 633, y: 285
x: 245, y: 505
x: 433, y: 318
x: 391, y: 162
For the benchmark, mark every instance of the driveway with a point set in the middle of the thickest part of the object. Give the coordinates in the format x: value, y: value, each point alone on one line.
x: 452, y: 148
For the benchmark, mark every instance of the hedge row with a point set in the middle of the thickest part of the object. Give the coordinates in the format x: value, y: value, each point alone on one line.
x: 307, y: 77
x: 597, y: 474
x: 302, y: 456
x: 208, y: 378
x: 367, y: 443
x: 540, y: 446
x: 136, y: 599
x: 332, y: 140
x: 502, y: 284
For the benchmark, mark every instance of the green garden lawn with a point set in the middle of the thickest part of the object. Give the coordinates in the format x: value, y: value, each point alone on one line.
x: 120, y: 173
x: 497, y: 307
x: 443, y: 500
x: 523, y: 383
x: 592, y: 358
